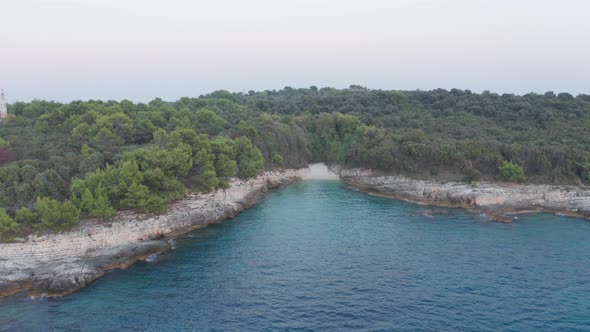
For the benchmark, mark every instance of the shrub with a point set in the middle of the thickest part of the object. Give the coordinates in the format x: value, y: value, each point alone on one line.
x: 511, y: 172
x: 57, y: 215
x: 277, y: 160
x: 472, y: 175
x: 8, y: 227
x: 25, y: 216
x: 250, y: 159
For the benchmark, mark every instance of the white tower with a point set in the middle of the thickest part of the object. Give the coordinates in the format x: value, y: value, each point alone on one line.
x: 3, y: 108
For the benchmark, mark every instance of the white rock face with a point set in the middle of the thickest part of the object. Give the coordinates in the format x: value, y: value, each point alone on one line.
x: 60, y: 263
x: 496, y: 199
x: 319, y: 172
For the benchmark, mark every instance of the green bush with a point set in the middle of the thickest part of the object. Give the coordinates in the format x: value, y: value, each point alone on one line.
x: 8, y: 227
x: 511, y: 172
x: 225, y: 167
x: 472, y: 175
x: 4, y: 143
x: 249, y: 158
x: 277, y: 160
x: 139, y: 198
x: 56, y: 215
x: 25, y: 216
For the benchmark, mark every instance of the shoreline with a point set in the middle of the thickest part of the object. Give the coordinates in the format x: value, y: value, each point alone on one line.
x: 55, y: 265
x: 59, y: 264
x: 499, y: 201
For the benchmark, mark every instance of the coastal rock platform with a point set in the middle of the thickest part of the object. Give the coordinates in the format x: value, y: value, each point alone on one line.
x: 498, y: 200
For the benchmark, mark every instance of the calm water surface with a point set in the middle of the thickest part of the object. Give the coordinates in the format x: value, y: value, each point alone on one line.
x: 317, y: 257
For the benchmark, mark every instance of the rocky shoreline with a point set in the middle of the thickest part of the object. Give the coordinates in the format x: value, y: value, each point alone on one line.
x: 497, y: 200
x: 59, y: 264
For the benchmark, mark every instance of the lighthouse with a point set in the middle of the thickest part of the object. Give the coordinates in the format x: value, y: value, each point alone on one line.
x: 3, y: 108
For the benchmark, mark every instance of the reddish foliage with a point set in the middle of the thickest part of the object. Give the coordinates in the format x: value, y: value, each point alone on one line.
x: 6, y: 155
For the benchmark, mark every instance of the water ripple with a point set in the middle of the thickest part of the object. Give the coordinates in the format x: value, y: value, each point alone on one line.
x: 317, y: 257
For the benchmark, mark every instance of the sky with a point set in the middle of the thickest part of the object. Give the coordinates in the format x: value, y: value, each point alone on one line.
x: 142, y: 49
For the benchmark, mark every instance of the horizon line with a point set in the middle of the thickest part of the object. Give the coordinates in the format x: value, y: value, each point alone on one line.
x: 351, y: 87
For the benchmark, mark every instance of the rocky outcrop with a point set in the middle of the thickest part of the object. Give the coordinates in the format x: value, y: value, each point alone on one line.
x: 497, y: 200
x: 58, y: 264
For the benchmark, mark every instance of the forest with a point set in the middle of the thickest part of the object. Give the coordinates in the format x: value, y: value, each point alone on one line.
x: 60, y: 162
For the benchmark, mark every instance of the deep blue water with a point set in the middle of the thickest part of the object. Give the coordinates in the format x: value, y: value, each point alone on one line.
x: 318, y: 257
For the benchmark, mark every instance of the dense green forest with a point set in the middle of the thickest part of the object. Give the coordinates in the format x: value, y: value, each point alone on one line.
x: 60, y: 162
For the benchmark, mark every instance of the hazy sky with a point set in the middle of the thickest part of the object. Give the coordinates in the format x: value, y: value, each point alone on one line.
x: 142, y: 49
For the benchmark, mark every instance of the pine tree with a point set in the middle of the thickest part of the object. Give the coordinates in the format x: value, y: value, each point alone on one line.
x: 55, y: 214
x: 102, y: 207
x: 137, y: 197
x: 8, y: 227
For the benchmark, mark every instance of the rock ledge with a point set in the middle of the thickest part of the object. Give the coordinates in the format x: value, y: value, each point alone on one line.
x: 497, y: 200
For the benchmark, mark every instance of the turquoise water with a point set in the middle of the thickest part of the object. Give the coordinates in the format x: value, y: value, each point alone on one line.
x: 318, y: 257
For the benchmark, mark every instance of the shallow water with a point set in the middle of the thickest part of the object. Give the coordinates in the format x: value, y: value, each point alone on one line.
x: 315, y: 256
